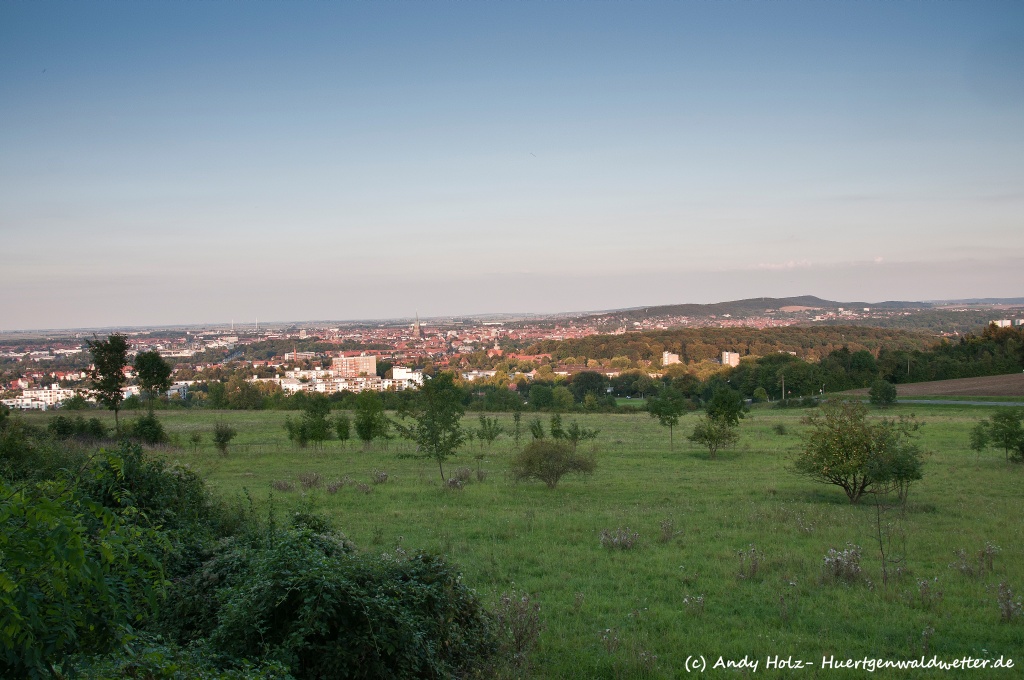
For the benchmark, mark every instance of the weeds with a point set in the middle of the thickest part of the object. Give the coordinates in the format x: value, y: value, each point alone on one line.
x: 517, y: 618
x: 333, y: 487
x: 668, y: 531
x: 780, y: 429
x: 379, y: 476
x: 750, y: 562
x: 310, y: 480
x: 1010, y: 605
x: 364, y: 488
x: 694, y: 604
x: 843, y: 566
x: 619, y: 539
x: 282, y: 485
x: 928, y: 593
x: 982, y: 562
x: 610, y: 640
x: 454, y: 484
x: 462, y: 474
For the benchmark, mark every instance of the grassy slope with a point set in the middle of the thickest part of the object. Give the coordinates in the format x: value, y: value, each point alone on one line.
x: 547, y: 542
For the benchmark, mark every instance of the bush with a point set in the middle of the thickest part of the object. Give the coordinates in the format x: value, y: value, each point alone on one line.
x: 548, y: 461
x: 312, y: 604
x: 222, y: 436
x: 882, y: 393
x: 63, y: 427
x: 148, y: 430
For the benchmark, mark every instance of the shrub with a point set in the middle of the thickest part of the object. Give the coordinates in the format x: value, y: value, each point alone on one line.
x: 780, y: 429
x: 222, y: 436
x: 619, y: 539
x: 282, y: 485
x: 714, y: 433
x: 333, y: 487
x: 882, y: 393
x: 379, y: 476
x: 548, y: 461
x: 313, y: 604
x: 148, y: 430
x: 844, y: 565
x: 463, y: 474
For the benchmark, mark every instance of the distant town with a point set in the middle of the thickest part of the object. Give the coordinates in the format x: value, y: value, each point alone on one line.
x: 42, y: 370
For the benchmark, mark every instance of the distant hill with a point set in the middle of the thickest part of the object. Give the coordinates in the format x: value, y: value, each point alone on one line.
x: 752, y: 307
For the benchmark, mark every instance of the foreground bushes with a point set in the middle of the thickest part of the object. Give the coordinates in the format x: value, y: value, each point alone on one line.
x: 308, y: 601
x: 124, y: 566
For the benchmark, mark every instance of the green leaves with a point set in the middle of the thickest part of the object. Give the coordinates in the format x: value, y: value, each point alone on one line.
x: 844, y: 448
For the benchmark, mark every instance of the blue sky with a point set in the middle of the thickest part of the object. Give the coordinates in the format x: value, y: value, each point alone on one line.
x: 187, y: 162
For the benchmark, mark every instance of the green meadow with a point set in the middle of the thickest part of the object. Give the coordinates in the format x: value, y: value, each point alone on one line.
x: 684, y: 589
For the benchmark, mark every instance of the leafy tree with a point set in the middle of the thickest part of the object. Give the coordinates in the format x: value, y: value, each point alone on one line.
x: 438, y: 414
x: 315, y: 419
x: 846, y: 449
x: 489, y: 430
x: 109, y: 359
x: 536, y: 429
x: 370, y: 421
x: 540, y: 397
x: 882, y: 393
x: 222, y: 436
x: 727, y: 405
x: 667, y: 406
x: 75, y: 403
x: 588, y: 382
x: 714, y: 433
x: 760, y: 394
x: 556, y: 427
x: 561, y: 398
x: 343, y: 427
x: 1003, y: 429
x: 153, y: 374
x: 549, y: 461
x: 575, y: 433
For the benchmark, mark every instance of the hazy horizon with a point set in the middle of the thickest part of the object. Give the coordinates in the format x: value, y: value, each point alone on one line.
x: 170, y: 163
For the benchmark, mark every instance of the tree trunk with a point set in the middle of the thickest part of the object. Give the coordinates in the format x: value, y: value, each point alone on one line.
x: 439, y: 467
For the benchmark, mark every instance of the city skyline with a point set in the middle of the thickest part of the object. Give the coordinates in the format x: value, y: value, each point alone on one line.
x: 177, y: 164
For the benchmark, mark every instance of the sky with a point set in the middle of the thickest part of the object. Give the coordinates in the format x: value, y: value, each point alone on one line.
x: 190, y: 162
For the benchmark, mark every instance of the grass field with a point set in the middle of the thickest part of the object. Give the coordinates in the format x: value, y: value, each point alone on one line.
x: 682, y: 590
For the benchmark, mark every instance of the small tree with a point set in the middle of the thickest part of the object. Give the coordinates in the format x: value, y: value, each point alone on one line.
x: 575, y: 433
x: 517, y: 432
x: 315, y: 419
x: 489, y: 430
x: 370, y: 421
x: 222, y: 436
x: 536, y: 429
x: 438, y: 414
x: 1003, y: 429
x: 667, y: 406
x: 844, y: 448
x: 556, y: 427
x: 549, y: 461
x: 109, y: 359
x: 725, y: 405
x: 714, y: 433
x: 343, y: 427
x: 153, y: 374
x: 882, y: 393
